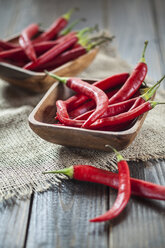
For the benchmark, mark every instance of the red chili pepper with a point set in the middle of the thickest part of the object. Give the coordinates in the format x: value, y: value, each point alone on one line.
x: 7, y: 45
x: 108, y: 83
x: 121, y: 107
x: 124, y: 191
x: 89, y: 90
x: 90, y: 104
x: 19, y: 54
x: 112, y: 110
x: 63, y: 45
x: 63, y: 58
x: 25, y: 40
x: 63, y: 116
x: 134, y: 82
x: 51, y: 54
x: 124, y: 117
x: 56, y: 27
x: 92, y: 174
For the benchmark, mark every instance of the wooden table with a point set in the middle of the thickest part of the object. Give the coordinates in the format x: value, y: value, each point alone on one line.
x: 59, y: 217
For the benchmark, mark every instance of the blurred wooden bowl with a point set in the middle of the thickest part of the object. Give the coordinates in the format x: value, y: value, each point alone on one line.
x: 39, y: 82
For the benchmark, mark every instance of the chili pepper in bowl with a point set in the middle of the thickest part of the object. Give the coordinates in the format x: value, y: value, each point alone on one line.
x: 56, y: 27
x: 124, y: 117
x: 63, y: 116
x: 57, y: 49
x: 84, y: 109
x: 124, y: 106
x: 90, y: 91
x: 80, y: 49
x: 104, y: 84
x: 25, y: 40
x: 5, y: 45
x: 134, y: 81
x: 112, y: 110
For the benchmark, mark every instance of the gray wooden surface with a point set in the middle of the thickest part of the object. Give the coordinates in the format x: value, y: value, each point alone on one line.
x: 59, y: 217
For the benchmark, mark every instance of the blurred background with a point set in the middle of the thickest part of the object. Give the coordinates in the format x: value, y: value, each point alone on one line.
x: 131, y: 21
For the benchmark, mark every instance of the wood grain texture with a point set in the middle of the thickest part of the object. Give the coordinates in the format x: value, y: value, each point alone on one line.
x: 13, y: 214
x: 158, y: 7
x: 132, y: 22
x: 142, y: 223
x: 60, y: 217
x: 13, y: 223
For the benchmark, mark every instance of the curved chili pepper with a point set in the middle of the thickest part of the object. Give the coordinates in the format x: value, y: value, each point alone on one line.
x: 92, y: 174
x: 134, y: 82
x: 124, y: 117
x: 55, y: 28
x: 107, y: 83
x: 83, y: 110
x: 25, y: 40
x: 89, y: 90
x: 63, y: 116
x: 124, y: 191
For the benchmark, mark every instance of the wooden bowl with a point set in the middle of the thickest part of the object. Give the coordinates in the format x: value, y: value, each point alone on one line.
x: 39, y: 82
x: 41, y: 120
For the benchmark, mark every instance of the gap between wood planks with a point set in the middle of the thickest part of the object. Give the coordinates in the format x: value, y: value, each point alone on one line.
x: 28, y: 220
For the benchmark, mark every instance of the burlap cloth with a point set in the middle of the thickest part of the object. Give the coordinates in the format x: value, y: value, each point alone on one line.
x: 23, y: 155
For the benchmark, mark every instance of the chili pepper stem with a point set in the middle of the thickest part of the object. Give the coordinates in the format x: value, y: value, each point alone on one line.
x: 146, y: 96
x: 143, y: 53
x: 71, y: 26
x: 69, y: 13
x: 154, y: 103
x: 97, y: 43
x: 66, y: 171
x: 86, y: 30
x: 61, y: 79
x: 118, y: 155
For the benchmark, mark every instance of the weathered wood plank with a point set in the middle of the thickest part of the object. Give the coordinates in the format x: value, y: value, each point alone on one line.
x: 13, y: 222
x: 142, y: 224
x: 132, y: 23
x: 158, y: 8
x: 60, y: 217
x: 13, y: 216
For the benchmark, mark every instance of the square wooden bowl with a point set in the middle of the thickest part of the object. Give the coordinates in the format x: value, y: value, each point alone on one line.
x: 41, y: 121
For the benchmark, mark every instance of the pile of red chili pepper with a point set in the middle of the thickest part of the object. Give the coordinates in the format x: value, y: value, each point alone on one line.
x: 59, y: 44
x: 112, y: 104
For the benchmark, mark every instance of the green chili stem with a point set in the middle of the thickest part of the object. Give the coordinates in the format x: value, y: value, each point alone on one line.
x: 66, y: 171
x: 143, y: 53
x: 61, y: 79
x: 118, y: 155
